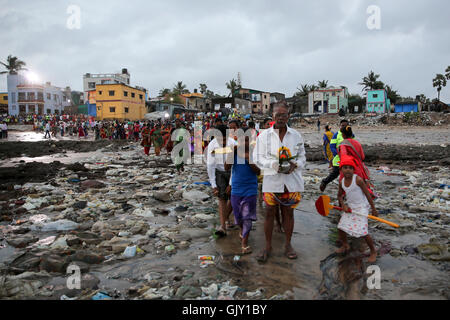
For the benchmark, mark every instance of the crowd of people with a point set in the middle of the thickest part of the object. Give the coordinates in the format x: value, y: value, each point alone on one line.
x: 241, y: 171
x: 250, y: 169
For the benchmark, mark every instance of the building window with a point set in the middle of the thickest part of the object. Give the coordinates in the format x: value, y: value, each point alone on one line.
x: 91, y: 85
x: 140, y: 96
x: 112, y: 109
x: 54, y: 97
x: 132, y: 94
x: 14, y: 107
x: 100, y: 92
x: 126, y: 109
x: 49, y: 96
x: 125, y: 93
x: 99, y: 108
x: 13, y: 97
x: 5, y: 98
x: 111, y: 93
x: 375, y: 95
x: 49, y: 111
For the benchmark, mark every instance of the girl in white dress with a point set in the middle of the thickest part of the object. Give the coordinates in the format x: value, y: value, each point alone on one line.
x: 358, y: 200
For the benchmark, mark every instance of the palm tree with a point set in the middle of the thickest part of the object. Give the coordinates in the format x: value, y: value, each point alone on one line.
x: 447, y: 73
x: 439, y: 82
x: 203, y: 88
x: 233, y: 86
x: 371, y: 82
x: 322, y: 84
x: 179, y: 88
x: 303, y: 90
x: 392, y: 94
x: 13, y: 65
x: 163, y: 92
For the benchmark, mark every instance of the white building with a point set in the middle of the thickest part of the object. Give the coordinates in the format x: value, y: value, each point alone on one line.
x: 328, y: 100
x: 25, y: 96
x: 90, y: 80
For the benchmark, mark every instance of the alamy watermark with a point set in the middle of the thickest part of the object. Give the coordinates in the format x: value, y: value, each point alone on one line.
x: 74, y: 280
x: 374, y: 19
x: 374, y: 280
x: 74, y: 19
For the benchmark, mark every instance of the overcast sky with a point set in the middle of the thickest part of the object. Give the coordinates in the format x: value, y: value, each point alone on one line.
x: 276, y: 45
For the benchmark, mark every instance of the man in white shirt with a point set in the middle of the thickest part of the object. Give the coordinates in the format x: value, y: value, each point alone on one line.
x: 47, y: 130
x: 218, y: 177
x: 280, y: 154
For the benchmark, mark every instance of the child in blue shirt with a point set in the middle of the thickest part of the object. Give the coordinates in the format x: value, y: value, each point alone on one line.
x: 244, y: 188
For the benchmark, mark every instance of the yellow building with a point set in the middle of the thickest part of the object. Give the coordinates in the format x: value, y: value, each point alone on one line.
x: 119, y: 101
x: 3, y: 103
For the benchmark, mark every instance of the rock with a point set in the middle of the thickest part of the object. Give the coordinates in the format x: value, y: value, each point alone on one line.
x: 80, y: 205
x: 188, y: 292
x: 181, y: 208
x: 162, y: 196
x: 152, y: 294
x: 89, y: 281
x: 195, y: 196
x: 54, y: 263
x: 22, y: 242
x: 202, y: 216
x: 61, y: 243
x: 147, y: 213
x: 59, y: 225
x: 212, y: 290
x: 92, y: 184
x: 116, y: 244
x: 195, y: 233
x: 21, y: 230
x: 87, y: 257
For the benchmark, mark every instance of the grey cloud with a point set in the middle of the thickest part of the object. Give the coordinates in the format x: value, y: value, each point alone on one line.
x: 276, y: 45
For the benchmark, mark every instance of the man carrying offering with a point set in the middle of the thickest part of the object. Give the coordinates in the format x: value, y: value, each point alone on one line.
x: 280, y: 154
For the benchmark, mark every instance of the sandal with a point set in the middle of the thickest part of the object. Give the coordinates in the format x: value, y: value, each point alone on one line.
x: 247, y: 250
x: 230, y: 226
x: 263, y: 256
x: 291, y: 254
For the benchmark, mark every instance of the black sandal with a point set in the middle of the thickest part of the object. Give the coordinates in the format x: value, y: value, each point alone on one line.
x: 263, y: 256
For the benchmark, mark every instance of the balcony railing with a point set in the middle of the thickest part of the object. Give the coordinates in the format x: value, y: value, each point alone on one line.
x: 31, y: 100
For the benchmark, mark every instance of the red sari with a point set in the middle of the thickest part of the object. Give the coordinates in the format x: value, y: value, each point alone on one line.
x: 355, y: 150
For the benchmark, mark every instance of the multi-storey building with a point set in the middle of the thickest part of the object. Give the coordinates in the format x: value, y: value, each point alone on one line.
x: 119, y: 101
x: 3, y: 103
x: 25, y: 97
x: 260, y: 100
x: 329, y: 100
x: 378, y: 101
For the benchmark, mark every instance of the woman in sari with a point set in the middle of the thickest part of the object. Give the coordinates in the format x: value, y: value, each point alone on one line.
x: 102, y: 133
x: 157, y: 139
x: 328, y: 135
x: 168, y: 143
x: 146, y: 139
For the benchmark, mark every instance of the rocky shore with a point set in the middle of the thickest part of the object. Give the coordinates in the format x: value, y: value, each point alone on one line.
x: 138, y: 230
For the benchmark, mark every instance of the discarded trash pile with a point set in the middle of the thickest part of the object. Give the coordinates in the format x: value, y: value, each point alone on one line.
x: 137, y: 230
x: 135, y: 208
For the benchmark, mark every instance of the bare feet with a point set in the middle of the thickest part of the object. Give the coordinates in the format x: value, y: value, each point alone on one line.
x: 372, y: 257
